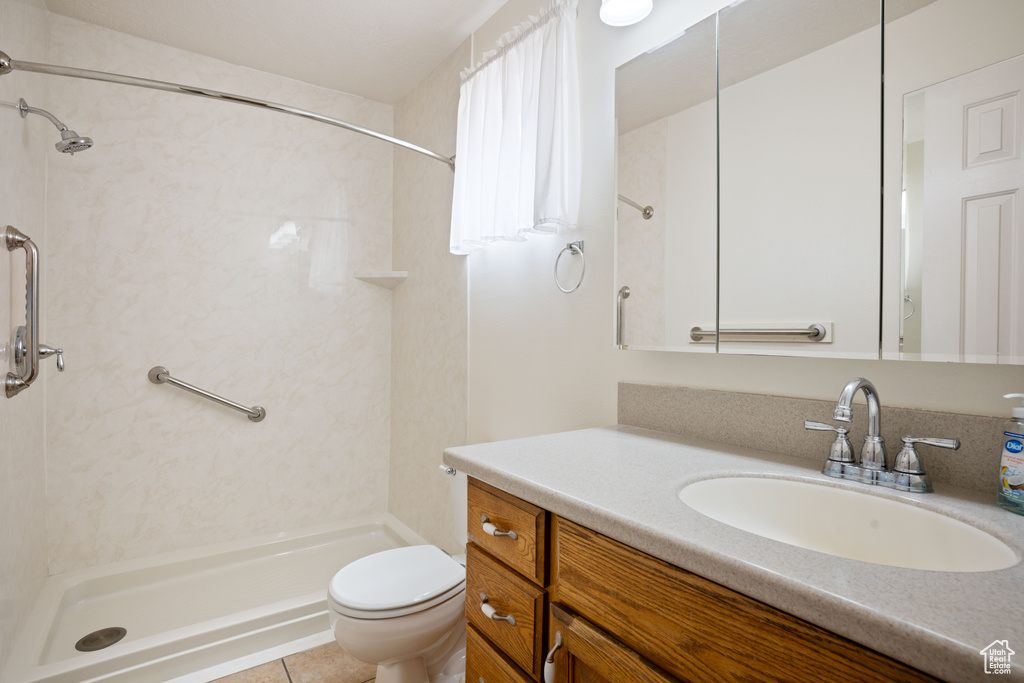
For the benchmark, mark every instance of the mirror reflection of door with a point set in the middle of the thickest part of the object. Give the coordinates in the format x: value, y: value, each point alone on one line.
x: 964, y: 180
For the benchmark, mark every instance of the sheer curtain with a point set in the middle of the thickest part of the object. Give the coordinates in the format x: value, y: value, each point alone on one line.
x: 517, y: 154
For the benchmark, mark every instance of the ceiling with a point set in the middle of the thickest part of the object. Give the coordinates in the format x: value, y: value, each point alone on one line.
x: 379, y: 49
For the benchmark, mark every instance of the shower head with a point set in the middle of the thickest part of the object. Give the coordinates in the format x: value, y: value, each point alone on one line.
x: 70, y: 141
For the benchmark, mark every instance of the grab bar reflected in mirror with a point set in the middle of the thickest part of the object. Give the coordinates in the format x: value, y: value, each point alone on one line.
x: 815, y: 332
x: 646, y: 211
x: 623, y: 294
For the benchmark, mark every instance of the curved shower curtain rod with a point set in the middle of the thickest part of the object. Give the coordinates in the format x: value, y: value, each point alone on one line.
x: 7, y: 65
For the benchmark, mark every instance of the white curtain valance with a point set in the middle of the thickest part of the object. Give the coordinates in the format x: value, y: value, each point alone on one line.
x: 517, y: 150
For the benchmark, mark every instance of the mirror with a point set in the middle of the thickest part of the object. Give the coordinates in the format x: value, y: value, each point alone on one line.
x: 955, y: 73
x: 795, y: 239
x: 764, y: 184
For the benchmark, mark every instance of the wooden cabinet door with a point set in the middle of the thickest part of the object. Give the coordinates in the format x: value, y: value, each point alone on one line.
x: 589, y: 655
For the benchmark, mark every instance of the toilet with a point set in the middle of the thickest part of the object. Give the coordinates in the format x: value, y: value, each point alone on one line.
x: 404, y: 610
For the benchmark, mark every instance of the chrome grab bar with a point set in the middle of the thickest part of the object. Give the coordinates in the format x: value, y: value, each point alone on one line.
x: 815, y: 332
x: 160, y: 374
x: 28, y: 363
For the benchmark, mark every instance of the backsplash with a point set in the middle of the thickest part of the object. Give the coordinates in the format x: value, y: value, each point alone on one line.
x: 775, y: 424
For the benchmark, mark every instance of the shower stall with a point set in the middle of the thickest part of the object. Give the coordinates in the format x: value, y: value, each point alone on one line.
x: 219, y: 241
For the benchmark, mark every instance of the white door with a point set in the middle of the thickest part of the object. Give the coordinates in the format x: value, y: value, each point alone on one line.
x: 972, y: 303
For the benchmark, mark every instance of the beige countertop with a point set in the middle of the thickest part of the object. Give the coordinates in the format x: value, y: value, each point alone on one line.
x: 624, y: 482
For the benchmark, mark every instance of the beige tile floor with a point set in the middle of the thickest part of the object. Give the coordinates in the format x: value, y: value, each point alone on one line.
x: 325, y: 664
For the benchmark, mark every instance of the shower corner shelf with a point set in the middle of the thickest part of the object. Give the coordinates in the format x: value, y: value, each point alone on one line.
x: 388, y: 279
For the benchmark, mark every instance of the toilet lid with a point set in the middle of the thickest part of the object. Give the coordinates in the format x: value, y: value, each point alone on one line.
x: 414, y: 576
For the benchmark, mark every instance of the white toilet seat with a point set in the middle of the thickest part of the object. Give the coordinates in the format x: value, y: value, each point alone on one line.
x: 396, y: 582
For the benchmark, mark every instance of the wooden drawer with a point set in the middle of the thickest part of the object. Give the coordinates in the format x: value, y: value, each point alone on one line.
x: 527, y: 554
x: 509, y: 594
x: 484, y: 664
x: 696, y: 629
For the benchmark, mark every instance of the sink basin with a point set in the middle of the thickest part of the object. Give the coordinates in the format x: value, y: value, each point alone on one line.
x: 849, y: 524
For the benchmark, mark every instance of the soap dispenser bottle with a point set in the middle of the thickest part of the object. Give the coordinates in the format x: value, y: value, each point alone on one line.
x: 1011, y: 469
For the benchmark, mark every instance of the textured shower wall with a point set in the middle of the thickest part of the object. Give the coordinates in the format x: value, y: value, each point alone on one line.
x: 160, y: 252
x: 25, y: 147
x: 641, y: 243
x: 429, y: 362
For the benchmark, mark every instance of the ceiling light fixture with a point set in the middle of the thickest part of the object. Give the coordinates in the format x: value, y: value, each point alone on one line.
x: 625, y: 12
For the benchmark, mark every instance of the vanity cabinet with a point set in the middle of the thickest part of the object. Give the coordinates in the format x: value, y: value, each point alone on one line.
x: 626, y: 617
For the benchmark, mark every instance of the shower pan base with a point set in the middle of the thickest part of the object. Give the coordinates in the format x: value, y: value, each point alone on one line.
x: 190, y: 610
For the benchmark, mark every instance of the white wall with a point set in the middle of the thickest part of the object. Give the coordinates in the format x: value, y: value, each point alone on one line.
x: 158, y: 254
x: 25, y: 147
x: 542, y: 361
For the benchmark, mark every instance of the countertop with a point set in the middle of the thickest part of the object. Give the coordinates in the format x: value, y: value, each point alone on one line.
x: 624, y: 482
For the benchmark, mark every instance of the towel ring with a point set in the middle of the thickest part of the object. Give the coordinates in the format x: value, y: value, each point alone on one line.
x: 572, y: 248
x: 913, y: 309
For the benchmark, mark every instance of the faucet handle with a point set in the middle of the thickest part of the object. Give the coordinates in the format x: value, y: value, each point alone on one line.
x: 908, y: 461
x: 841, y: 450
x: 952, y: 444
x: 45, y: 351
x: 823, y: 427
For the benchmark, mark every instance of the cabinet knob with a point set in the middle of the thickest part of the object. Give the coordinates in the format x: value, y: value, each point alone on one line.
x: 495, y: 531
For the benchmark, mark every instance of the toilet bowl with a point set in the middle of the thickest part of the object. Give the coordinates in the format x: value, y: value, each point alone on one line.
x: 403, y: 610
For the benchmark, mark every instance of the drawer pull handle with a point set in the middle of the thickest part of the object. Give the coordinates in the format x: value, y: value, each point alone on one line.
x: 493, y: 613
x: 495, y: 531
x: 549, y: 661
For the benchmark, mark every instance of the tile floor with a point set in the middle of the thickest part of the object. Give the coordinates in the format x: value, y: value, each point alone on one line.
x: 325, y: 664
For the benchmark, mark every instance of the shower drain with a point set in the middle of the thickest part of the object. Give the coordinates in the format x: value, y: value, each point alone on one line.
x: 97, y: 640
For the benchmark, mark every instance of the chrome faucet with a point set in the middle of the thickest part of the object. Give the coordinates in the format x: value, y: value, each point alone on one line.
x: 907, y: 473
x: 872, y: 453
